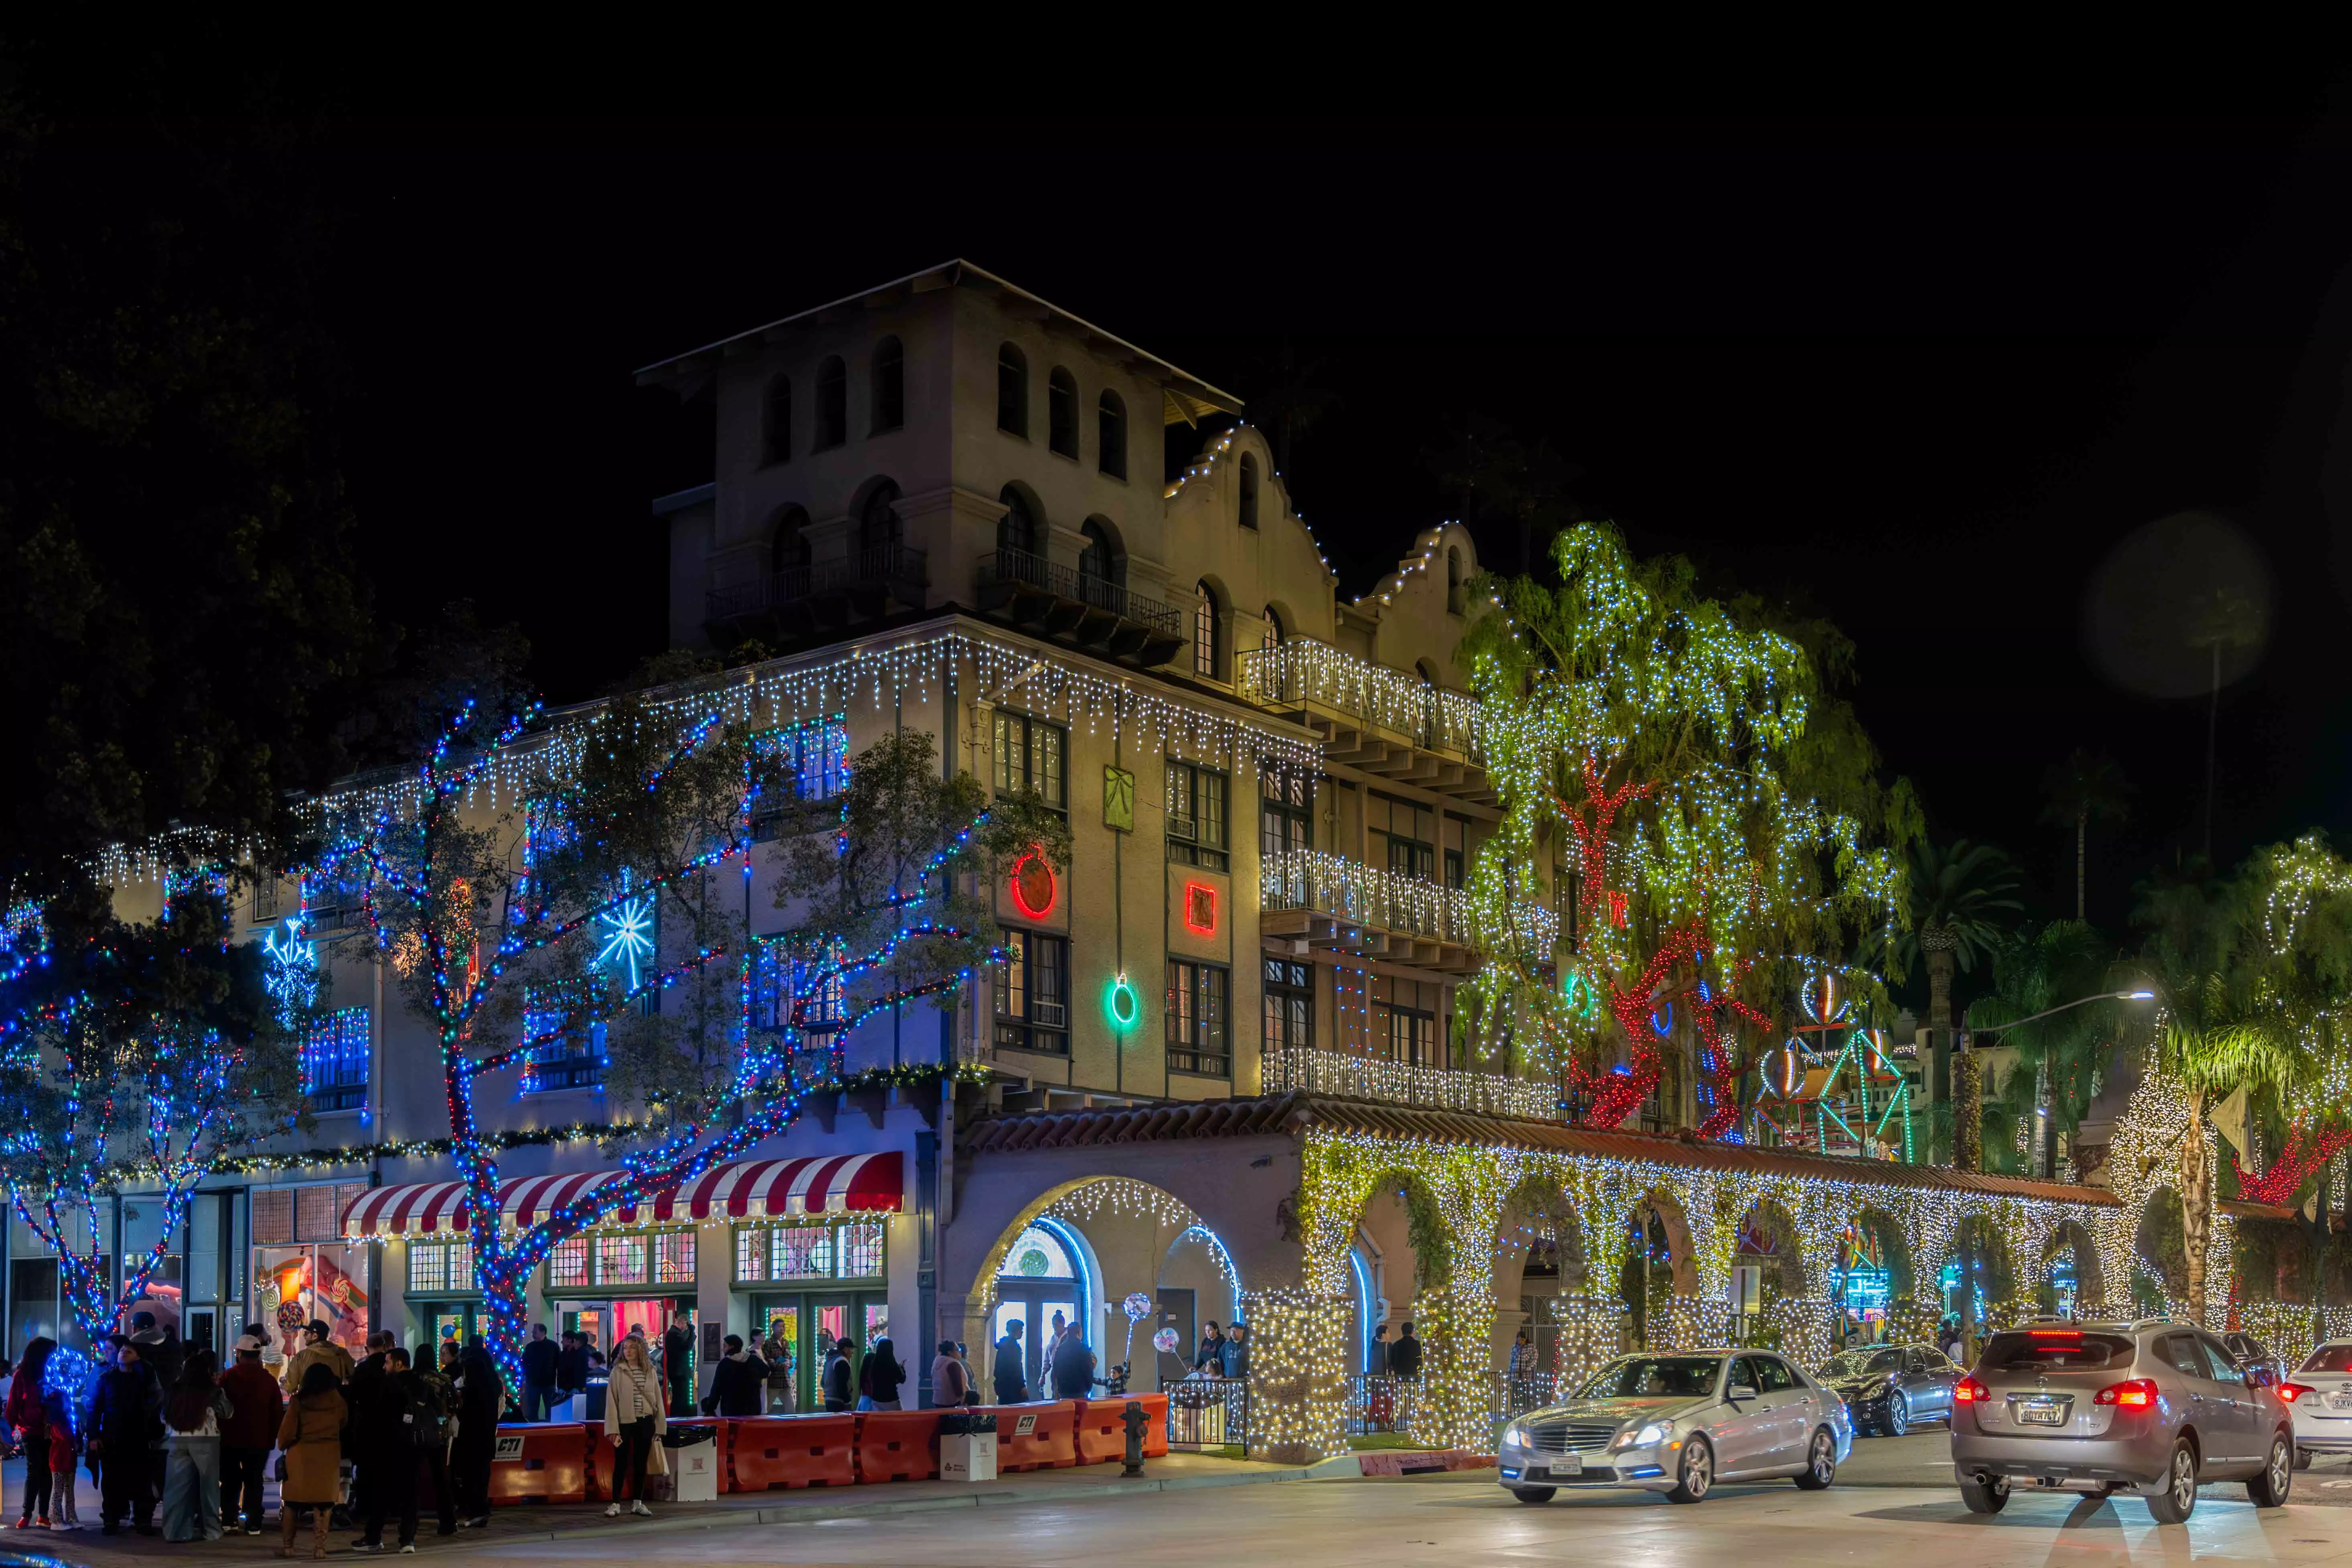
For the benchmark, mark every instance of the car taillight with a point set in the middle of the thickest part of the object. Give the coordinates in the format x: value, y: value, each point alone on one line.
x: 1969, y: 1391
x: 2291, y: 1392
x: 2139, y: 1393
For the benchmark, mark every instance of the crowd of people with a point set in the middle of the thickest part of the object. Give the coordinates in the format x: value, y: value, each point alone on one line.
x: 162, y: 1427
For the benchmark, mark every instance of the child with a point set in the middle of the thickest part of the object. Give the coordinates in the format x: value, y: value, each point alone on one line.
x: 65, y: 1448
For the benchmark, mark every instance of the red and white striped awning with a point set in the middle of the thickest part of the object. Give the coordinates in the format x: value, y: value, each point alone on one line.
x: 816, y: 1184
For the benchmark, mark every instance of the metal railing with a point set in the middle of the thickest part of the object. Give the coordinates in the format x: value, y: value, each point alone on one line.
x: 1303, y: 672
x: 1387, y: 901
x: 1381, y: 1403
x: 1009, y: 567
x: 1352, y: 1077
x: 892, y: 566
x: 1208, y: 1413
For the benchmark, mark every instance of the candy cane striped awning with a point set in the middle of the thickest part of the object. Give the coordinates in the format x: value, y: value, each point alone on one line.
x: 816, y: 1184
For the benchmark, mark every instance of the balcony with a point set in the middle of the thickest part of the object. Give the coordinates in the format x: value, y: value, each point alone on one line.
x: 1385, y: 721
x: 1347, y: 906
x: 1092, y: 612
x: 1353, y: 1076
x: 798, y: 600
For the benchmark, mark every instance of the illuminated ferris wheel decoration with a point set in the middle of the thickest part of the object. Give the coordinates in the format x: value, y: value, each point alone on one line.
x: 629, y: 928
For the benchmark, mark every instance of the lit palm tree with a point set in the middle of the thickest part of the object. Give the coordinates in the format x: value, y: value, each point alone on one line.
x: 1962, y: 897
x: 2080, y: 788
x: 2061, y: 1058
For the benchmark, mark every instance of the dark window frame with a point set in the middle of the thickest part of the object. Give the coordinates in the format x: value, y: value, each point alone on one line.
x: 832, y: 404
x: 1025, y: 1018
x: 776, y: 421
x: 888, y: 396
x: 1199, y: 836
x: 1110, y: 434
x: 1011, y: 390
x: 1061, y: 413
x: 1199, y: 1007
x: 1246, y: 506
x: 1057, y: 797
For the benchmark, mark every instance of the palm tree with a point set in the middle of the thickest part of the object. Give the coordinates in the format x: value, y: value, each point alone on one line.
x: 2080, y: 788
x: 1961, y: 895
x: 2060, y: 1057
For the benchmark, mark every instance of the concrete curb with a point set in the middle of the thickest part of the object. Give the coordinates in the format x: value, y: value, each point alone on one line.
x: 814, y: 1513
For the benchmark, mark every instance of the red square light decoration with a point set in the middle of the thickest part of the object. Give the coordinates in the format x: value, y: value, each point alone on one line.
x: 1201, y: 909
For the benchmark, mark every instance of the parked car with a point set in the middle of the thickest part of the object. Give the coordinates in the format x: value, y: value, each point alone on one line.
x: 2250, y: 1352
x: 1679, y: 1424
x: 1889, y: 1387
x: 2152, y: 1407
x: 2319, y: 1396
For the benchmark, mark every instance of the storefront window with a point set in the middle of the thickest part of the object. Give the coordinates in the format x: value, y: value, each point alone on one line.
x: 849, y: 1249
x: 620, y: 1260
x: 304, y: 1270
x: 567, y: 1263
x: 435, y: 1267
x: 674, y: 1257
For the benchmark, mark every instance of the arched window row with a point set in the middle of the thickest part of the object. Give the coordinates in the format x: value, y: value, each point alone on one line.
x: 1062, y: 412
x: 829, y: 412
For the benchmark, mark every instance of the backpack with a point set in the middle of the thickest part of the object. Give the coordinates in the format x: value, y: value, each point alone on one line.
x: 420, y: 1410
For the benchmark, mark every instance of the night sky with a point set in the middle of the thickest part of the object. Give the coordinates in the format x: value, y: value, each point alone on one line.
x: 1920, y: 377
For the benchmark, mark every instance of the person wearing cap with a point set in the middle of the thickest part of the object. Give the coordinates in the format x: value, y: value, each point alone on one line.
x: 249, y: 1435
x: 317, y: 1347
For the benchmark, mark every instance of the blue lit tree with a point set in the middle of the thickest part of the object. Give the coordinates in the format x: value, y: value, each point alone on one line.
x: 606, y: 881
x: 134, y: 1055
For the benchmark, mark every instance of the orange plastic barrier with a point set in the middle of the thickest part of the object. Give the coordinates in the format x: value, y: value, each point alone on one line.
x: 1050, y: 1443
x: 897, y: 1446
x: 541, y: 1462
x: 767, y: 1453
x: 1102, y: 1428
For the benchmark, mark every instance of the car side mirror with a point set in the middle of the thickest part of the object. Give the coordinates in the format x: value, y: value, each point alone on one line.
x: 1738, y: 1392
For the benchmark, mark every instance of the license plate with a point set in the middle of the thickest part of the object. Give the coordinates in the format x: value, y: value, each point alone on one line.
x: 2046, y: 1415
x: 1568, y: 1465
x: 2339, y: 1402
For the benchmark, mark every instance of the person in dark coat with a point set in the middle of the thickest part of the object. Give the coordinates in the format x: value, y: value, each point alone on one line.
x: 360, y: 1393
x: 571, y: 1365
x: 250, y: 1433
x: 736, y: 1384
x: 1074, y: 1367
x: 27, y: 1418
x: 538, y: 1375
x: 124, y: 1420
x: 677, y: 1364
x: 1404, y: 1361
x: 480, y: 1395
x: 879, y: 1379
x: 837, y: 1383
x: 1011, y: 1383
x: 401, y: 1415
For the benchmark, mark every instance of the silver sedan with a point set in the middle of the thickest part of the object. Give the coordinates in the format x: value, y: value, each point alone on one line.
x: 1679, y: 1423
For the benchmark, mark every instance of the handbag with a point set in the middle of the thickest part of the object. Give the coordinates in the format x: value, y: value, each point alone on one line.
x: 657, y: 1461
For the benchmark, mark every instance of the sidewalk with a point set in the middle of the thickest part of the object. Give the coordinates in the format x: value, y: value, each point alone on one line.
x: 562, y: 1522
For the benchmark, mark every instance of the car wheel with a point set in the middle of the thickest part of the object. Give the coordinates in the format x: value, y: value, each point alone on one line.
x: 1820, y: 1462
x: 2303, y: 1458
x: 1698, y: 1477
x: 1989, y: 1498
x: 2270, y: 1487
x: 1898, y: 1415
x: 1534, y: 1494
x: 2178, y: 1500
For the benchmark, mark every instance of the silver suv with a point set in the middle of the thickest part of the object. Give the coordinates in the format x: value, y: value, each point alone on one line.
x: 2151, y: 1407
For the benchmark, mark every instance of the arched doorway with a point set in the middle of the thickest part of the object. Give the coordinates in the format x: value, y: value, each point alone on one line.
x: 1045, y: 1273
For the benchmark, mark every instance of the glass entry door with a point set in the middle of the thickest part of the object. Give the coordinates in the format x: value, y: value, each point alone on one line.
x: 809, y: 1326
x: 1033, y: 1304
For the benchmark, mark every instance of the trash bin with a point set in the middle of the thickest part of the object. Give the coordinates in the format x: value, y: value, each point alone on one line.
x: 967, y: 1447
x: 692, y: 1450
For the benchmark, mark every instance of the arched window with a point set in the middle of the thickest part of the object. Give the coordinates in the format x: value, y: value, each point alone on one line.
x: 832, y: 404
x: 1011, y: 390
x: 790, y: 551
x: 1204, y: 631
x: 1249, y: 490
x: 879, y: 523
x: 1097, y: 557
x: 1274, y: 633
x: 1454, y: 579
x: 1110, y: 436
x: 1043, y: 1276
x: 1017, y: 528
x: 776, y: 421
x: 889, y: 385
x: 1062, y: 412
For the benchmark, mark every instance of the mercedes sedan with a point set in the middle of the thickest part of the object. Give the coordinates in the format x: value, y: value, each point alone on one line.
x: 1678, y: 1424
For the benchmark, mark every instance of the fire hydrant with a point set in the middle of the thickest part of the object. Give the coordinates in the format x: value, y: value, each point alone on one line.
x: 1136, y: 1422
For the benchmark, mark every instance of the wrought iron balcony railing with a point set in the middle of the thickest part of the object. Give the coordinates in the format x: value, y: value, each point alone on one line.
x: 1305, y: 674
x: 1354, y: 1077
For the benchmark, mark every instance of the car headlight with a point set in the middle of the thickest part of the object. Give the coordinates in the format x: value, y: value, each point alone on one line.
x: 1515, y: 1436
x: 1655, y: 1432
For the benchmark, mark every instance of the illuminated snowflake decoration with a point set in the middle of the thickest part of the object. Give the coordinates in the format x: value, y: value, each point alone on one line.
x: 628, y: 931
x: 293, y: 977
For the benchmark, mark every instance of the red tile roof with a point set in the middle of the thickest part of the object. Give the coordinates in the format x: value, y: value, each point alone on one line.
x: 1294, y: 1114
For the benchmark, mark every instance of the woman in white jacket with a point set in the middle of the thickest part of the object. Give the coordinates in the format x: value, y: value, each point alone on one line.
x: 634, y: 1421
